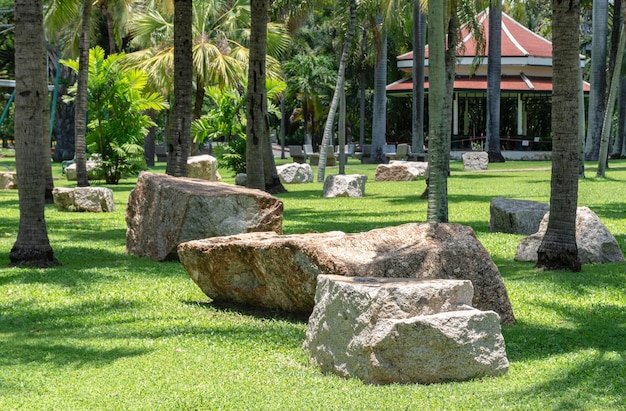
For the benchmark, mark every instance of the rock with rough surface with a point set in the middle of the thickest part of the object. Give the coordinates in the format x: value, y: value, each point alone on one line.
x: 93, y: 171
x: 90, y: 199
x: 295, y: 173
x: 387, y: 331
x: 475, y: 160
x: 516, y: 216
x: 164, y: 211
x: 595, y: 243
x: 203, y: 167
x: 8, y: 180
x: 400, y: 171
x: 345, y: 185
x: 272, y: 271
x: 241, y: 179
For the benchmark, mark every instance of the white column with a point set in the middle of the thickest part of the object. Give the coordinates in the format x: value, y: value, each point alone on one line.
x: 520, y: 115
x: 455, y: 114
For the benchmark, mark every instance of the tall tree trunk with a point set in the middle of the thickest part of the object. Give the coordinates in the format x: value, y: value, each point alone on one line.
x: 608, y: 115
x: 339, y: 85
x: 494, y: 70
x: 581, y: 126
x: 558, y: 250
x: 362, y: 90
x: 438, y: 118
x: 597, y: 95
x: 618, y: 148
x: 419, y: 40
x: 80, y: 119
x: 32, y: 246
x: 379, y: 118
x: 179, y: 137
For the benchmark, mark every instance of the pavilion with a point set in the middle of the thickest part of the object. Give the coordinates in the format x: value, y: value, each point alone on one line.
x: 526, y: 88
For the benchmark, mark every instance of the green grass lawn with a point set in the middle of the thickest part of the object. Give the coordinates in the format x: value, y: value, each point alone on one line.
x: 108, y: 331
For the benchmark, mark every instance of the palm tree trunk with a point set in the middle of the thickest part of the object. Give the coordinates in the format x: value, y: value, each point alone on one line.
x: 419, y: 40
x: 437, y: 158
x: 379, y: 118
x: 341, y: 76
x: 80, y: 120
x: 32, y: 246
x: 494, y: 70
x: 608, y: 115
x: 597, y: 98
x: 618, y: 142
x: 179, y: 138
x: 558, y: 250
x: 256, y: 110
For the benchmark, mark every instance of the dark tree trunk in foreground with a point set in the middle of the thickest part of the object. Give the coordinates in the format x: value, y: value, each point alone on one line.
x: 558, y: 250
x: 32, y: 247
x: 494, y: 70
x: 179, y: 136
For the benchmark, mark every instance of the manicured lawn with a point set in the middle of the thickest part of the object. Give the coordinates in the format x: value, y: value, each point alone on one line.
x: 108, y: 331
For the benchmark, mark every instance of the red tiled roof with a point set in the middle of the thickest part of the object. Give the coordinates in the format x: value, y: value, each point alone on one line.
x: 517, y: 40
x: 519, y: 83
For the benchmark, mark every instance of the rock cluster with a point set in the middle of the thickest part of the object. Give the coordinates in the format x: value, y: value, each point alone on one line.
x: 280, y: 271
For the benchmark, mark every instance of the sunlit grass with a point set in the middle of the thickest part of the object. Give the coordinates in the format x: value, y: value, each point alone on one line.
x: 109, y: 331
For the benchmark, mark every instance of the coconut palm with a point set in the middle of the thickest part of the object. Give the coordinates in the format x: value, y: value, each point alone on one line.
x: 558, y: 249
x: 494, y: 70
x: 32, y: 246
x: 419, y: 42
x: 339, y: 91
x: 597, y: 102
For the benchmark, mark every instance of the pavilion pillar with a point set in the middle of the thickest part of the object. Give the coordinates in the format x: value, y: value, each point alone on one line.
x: 455, y: 115
x: 466, y: 119
x: 520, y: 115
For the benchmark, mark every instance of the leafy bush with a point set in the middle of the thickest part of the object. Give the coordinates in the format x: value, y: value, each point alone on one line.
x: 116, y: 103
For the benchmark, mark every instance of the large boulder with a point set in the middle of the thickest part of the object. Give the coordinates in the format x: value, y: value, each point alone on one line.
x: 295, y: 173
x: 8, y: 180
x: 344, y: 185
x: 203, y: 167
x: 274, y: 271
x: 387, y: 331
x: 475, y: 160
x: 164, y: 211
x: 400, y: 171
x: 595, y: 242
x: 516, y: 216
x: 90, y: 199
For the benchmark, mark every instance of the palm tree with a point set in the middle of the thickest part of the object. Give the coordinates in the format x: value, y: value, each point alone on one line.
x: 32, y: 246
x: 438, y: 116
x: 80, y: 113
x: 558, y: 249
x: 419, y: 41
x: 179, y: 136
x: 597, y: 103
x: 339, y: 91
x: 608, y: 115
x: 493, y: 82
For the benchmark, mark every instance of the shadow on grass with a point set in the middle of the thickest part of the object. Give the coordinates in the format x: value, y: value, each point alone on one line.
x: 55, y: 336
x: 253, y: 311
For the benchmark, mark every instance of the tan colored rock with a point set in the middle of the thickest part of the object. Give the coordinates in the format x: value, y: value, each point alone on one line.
x: 164, y: 211
x: 276, y: 271
x: 8, y: 180
x: 596, y: 244
x: 400, y: 171
x: 89, y: 199
x: 400, y: 330
x: 204, y: 167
